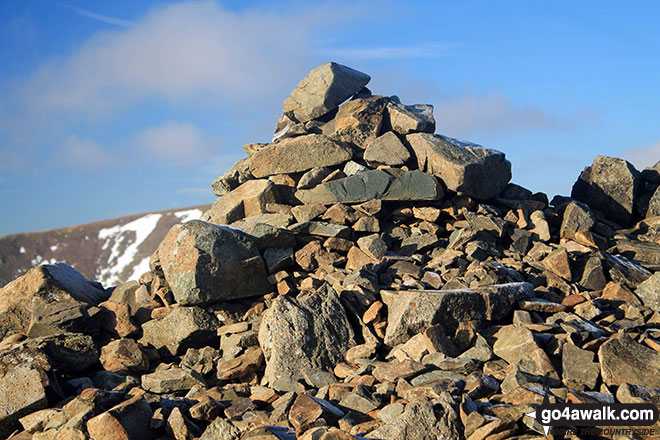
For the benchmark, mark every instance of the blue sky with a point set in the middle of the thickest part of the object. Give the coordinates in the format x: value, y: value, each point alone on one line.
x: 114, y: 108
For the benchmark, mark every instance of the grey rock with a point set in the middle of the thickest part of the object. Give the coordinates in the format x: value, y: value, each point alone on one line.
x: 418, y: 422
x: 278, y: 258
x: 625, y: 271
x: 265, y: 236
x: 578, y: 367
x: 23, y: 382
x: 577, y: 218
x: 169, y: 381
x: 642, y: 251
x: 298, y: 154
x: 322, y: 90
x: 413, y: 311
x: 649, y: 291
x: 222, y: 429
x: 465, y: 168
x: 654, y: 205
x: 307, y: 332
x: 611, y: 186
x: 237, y: 175
x: 374, y: 184
x: 313, y: 177
x: 205, y: 263
x: 351, y: 168
x: 622, y: 360
x: 373, y: 246
x: 406, y: 119
x: 322, y: 229
x: 386, y: 149
x: 182, y: 328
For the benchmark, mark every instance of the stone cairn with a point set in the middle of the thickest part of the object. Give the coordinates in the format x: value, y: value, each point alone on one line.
x: 358, y: 277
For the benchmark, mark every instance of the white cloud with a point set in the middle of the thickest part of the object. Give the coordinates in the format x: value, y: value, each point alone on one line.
x: 100, y: 17
x: 492, y: 113
x: 173, y: 140
x: 85, y: 153
x: 391, y: 52
x: 177, y: 52
x: 643, y: 157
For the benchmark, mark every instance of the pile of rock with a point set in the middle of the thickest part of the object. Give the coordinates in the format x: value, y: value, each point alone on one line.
x: 358, y: 277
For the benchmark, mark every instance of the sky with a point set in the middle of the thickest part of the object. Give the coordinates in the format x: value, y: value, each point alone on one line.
x: 115, y: 108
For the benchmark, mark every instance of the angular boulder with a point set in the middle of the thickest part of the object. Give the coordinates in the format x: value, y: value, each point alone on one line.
x: 306, y: 332
x: 322, y: 90
x: 298, y: 154
x: 247, y: 200
x: 49, y: 291
x: 577, y: 218
x: 358, y: 122
x: 623, y: 360
x: 465, y: 168
x: 374, y: 185
x: 182, y: 328
x: 654, y: 205
x: 413, y: 311
x: 128, y: 420
x: 406, y: 119
x: 386, y: 149
x: 205, y: 263
x: 611, y: 186
x: 23, y: 382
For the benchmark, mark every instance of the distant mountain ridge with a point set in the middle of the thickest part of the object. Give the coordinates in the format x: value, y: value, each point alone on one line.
x: 109, y: 251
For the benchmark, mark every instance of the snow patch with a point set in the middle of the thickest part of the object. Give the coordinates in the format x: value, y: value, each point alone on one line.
x: 54, y: 248
x: 22, y: 250
x: 190, y: 214
x: 140, y: 268
x: 36, y: 261
x: 122, y: 257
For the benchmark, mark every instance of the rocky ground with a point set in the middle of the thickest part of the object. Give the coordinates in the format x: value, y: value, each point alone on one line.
x: 376, y: 281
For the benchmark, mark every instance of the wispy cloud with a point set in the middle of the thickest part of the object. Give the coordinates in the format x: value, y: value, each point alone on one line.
x: 495, y: 113
x: 83, y: 153
x: 103, y: 18
x: 645, y: 156
x: 173, y: 141
x: 390, y: 52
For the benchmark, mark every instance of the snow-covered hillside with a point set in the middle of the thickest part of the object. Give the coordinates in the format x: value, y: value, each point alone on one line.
x: 110, y: 251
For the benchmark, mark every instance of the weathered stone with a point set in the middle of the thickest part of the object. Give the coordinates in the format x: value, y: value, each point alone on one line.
x: 578, y: 368
x: 411, y: 312
x: 127, y: 421
x: 298, y: 154
x: 611, y: 186
x: 322, y: 90
x: 654, y: 204
x: 392, y: 372
x: 468, y: 169
x: 205, y: 263
x: 307, y: 410
x: 358, y: 121
x: 649, y: 291
x: 313, y: 177
x: 374, y: 184
x: 517, y: 346
x: 304, y: 213
x: 321, y: 229
x: 406, y: 119
x: 23, y: 382
x: 418, y: 422
x: 237, y: 174
x: 644, y: 252
x: 312, y: 255
x: 130, y: 294
x: 361, y: 400
x: 241, y: 366
x: 559, y: 263
x: 124, y: 356
x: 373, y: 246
x: 622, y: 360
x: 182, y: 328
x: 277, y: 259
x: 386, y: 149
x: 625, y: 271
x: 310, y: 331
x: 50, y: 288
x: 222, y: 429
x: 249, y: 199
x: 117, y: 319
x: 577, y: 218
x: 593, y: 277
x: 169, y: 381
